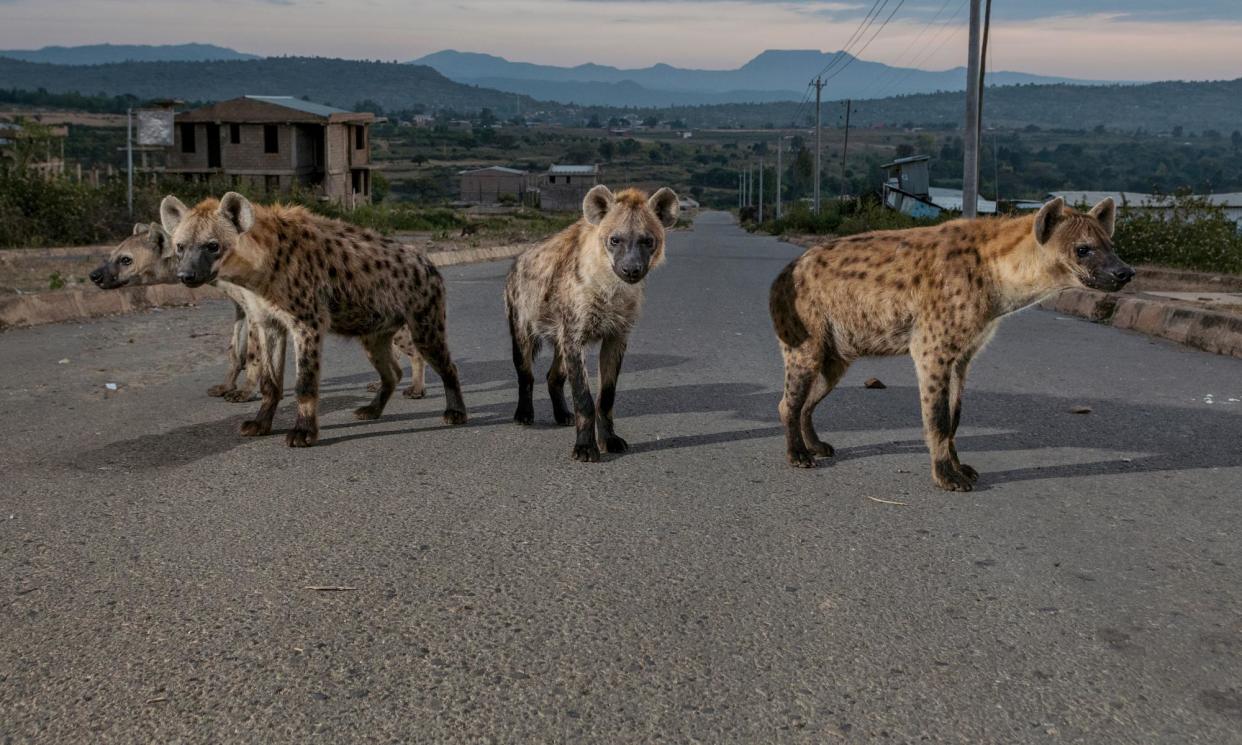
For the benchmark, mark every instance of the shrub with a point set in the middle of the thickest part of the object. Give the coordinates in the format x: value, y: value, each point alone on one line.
x: 1188, y: 232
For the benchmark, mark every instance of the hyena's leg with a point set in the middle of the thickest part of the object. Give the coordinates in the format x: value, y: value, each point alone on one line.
x: 586, y: 449
x: 556, y: 389
x: 934, y: 365
x: 308, y: 344
x: 418, y: 376
x: 525, y: 346
x: 254, y: 368
x: 834, y: 367
x: 801, y: 369
x: 611, y: 352
x: 237, y: 352
x: 379, y: 350
x: 427, y: 332
x: 271, y: 374
x: 957, y: 383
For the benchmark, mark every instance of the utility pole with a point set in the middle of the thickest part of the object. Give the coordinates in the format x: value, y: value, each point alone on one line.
x: 129, y: 159
x: 780, y: 147
x: 761, y: 190
x: 740, y: 184
x: 845, y: 148
x: 819, y: 86
x: 970, y: 160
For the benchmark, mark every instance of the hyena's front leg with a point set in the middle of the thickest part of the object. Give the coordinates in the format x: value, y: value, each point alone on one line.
x: 253, y: 366
x: 270, y: 364
x: 586, y: 449
x: 379, y: 348
x: 308, y: 343
x: 611, y: 352
x: 237, y: 352
x: 934, y: 365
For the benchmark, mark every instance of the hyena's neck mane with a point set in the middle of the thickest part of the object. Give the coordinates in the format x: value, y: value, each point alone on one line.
x: 252, y: 262
x: 1025, y: 271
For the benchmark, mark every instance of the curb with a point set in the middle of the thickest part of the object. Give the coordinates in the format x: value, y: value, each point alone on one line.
x: 1211, y: 331
x: 18, y: 311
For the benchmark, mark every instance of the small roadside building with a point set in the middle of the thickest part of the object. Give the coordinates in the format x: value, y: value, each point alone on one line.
x: 277, y: 143
x: 908, y: 190
x: 493, y: 185
x: 563, y: 187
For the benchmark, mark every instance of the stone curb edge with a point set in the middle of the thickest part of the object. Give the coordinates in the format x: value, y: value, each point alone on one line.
x: 77, y: 305
x: 1211, y: 331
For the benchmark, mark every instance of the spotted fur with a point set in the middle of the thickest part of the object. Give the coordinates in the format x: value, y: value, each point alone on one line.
x: 936, y: 293
x: 310, y: 275
x: 585, y: 285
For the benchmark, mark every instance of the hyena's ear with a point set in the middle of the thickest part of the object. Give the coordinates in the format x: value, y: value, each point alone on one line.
x: 664, y: 204
x: 141, y: 228
x: 1047, y: 218
x: 237, y: 209
x: 171, y: 213
x: 159, y: 239
x: 1106, y: 213
x: 597, y: 203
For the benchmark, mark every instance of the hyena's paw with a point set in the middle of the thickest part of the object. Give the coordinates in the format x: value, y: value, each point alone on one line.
x: 374, y: 386
x: 454, y: 416
x: 255, y: 428
x: 950, y: 478
x: 800, y: 458
x: 368, y: 412
x: 968, y: 472
x: 586, y: 453
x: 303, y: 435
x: 239, y: 396
x: 414, y: 391
x: 216, y: 391
x: 525, y: 414
x: 563, y: 418
x: 822, y: 449
x: 614, y: 444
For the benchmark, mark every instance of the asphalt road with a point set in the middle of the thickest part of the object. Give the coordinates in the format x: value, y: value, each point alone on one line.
x: 154, y: 565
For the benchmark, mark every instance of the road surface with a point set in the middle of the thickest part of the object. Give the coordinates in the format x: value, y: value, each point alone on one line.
x: 154, y: 566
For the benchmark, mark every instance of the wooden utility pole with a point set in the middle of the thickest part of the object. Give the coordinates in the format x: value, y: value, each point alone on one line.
x: 819, y: 86
x: 970, y: 160
x: 845, y: 148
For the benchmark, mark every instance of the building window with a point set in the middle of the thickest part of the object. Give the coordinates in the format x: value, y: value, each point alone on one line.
x: 271, y: 139
x: 187, y: 138
x: 272, y: 184
x: 360, y: 138
x: 551, y: 179
x: 567, y: 179
x: 235, y: 134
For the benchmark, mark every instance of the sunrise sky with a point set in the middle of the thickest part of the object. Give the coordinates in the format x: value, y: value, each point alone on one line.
x: 1100, y: 39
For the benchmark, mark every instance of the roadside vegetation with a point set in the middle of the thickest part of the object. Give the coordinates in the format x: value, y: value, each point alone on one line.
x: 1194, y: 234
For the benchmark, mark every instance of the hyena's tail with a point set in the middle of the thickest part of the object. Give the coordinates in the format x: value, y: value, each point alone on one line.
x: 782, y: 304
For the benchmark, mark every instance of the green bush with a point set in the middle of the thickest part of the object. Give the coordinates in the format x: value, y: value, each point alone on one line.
x: 843, y: 218
x: 1188, y: 233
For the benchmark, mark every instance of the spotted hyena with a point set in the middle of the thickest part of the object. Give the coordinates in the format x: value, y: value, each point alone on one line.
x: 146, y: 257
x: 312, y: 275
x: 936, y: 293
x: 585, y: 285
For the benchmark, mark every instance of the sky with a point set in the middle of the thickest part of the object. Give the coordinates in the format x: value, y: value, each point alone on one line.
x: 1096, y: 39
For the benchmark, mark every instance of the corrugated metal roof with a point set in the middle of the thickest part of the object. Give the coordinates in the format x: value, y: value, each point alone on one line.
x: 1092, y: 198
x: 297, y: 104
x: 903, y: 161
x: 951, y: 199
x: 556, y: 170
x: 497, y: 169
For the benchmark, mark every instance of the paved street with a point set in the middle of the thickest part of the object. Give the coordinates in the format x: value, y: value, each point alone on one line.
x: 154, y: 565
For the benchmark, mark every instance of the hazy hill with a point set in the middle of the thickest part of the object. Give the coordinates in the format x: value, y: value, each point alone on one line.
x: 773, y: 75
x: 332, y: 81
x: 99, y: 54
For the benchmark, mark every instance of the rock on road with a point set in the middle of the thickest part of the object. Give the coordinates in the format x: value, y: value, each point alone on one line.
x: 154, y: 565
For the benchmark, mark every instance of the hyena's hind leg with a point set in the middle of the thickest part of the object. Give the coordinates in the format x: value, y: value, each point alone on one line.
x: 556, y: 389
x: 834, y: 367
x: 237, y: 352
x: 427, y: 331
x: 271, y: 366
x: 801, y: 370
x: 525, y: 347
x: 379, y: 349
x: 418, y: 369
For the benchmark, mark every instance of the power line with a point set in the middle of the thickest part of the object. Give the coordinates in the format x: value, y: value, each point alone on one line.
x: 894, y: 68
x: 876, y: 8
x: 854, y: 56
x: 931, y: 51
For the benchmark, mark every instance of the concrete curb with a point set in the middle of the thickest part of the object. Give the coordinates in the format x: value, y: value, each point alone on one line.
x: 1211, y: 331
x: 77, y: 305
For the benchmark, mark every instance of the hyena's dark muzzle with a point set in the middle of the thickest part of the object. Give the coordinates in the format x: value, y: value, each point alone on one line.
x: 196, y: 268
x: 631, y: 265
x: 105, y: 278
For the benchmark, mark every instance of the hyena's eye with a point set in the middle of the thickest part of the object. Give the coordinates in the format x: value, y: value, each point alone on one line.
x: 211, y: 246
x: 126, y: 261
x: 180, y: 248
x: 646, y: 242
x: 614, y: 240
x: 1083, y: 251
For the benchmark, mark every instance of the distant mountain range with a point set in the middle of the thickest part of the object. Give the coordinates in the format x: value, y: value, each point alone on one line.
x: 342, y: 83
x: 774, y: 75
x: 101, y: 54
